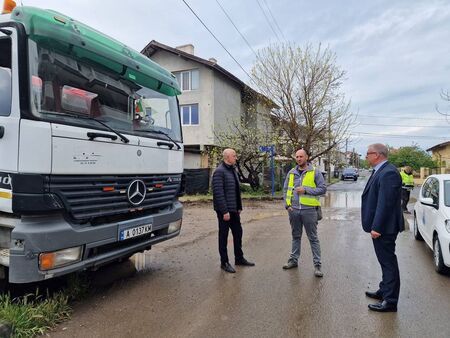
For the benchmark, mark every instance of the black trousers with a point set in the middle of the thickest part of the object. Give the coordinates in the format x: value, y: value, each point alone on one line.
x: 236, y: 229
x: 405, y: 199
x: 390, y: 283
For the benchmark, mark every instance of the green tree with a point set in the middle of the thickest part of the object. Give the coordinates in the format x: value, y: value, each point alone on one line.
x: 412, y: 156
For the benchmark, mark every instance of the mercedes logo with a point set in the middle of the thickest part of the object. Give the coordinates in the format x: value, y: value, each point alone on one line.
x: 136, y: 192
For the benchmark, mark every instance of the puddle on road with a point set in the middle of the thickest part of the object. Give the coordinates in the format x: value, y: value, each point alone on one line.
x: 334, y: 199
x: 342, y: 199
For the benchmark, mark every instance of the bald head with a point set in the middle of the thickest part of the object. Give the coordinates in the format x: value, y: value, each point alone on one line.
x: 229, y: 156
x: 301, y: 157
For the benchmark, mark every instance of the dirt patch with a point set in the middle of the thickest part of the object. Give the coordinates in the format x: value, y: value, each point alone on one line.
x: 200, y: 220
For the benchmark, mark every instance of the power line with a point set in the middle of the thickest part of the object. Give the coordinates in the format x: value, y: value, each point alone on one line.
x: 402, y: 125
x: 237, y: 62
x: 397, y: 136
x: 274, y: 20
x: 268, y: 21
x: 237, y: 29
x: 407, y: 117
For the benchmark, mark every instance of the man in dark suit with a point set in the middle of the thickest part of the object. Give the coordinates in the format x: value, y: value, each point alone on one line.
x: 382, y: 217
x: 228, y: 206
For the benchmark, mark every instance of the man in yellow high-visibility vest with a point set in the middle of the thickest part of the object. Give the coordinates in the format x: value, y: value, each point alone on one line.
x: 407, y: 186
x: 302, y: 188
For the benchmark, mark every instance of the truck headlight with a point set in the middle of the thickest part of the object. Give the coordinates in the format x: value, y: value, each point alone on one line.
x: 447, y: 225
x: 174, y: 226
x: 56, y: 259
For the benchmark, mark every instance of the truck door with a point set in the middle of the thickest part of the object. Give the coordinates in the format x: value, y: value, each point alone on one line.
x: 9, y: 113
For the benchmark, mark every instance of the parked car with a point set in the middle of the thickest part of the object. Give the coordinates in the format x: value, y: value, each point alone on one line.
x: 349, y: 174
x: 432, y: 219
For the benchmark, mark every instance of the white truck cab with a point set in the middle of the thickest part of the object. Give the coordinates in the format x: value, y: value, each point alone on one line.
x: 91, y: 153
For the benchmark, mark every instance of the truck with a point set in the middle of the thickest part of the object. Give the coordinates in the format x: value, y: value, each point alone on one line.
x: 91, y: 152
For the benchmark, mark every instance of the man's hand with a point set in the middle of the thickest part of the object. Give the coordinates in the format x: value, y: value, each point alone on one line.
x: 375, y: 234
x: 289, y: 209
x: 300, y: 190
x: 226, y: 217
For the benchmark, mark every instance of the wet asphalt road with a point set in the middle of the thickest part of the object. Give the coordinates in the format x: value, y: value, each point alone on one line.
x: 181, y: 292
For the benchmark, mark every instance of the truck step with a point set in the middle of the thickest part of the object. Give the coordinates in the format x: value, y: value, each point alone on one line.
x: 4, y: 257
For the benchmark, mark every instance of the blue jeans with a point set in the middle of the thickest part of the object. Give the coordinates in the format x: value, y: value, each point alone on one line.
x: 306, y: 218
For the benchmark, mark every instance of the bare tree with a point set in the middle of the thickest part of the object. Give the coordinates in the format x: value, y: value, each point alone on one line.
x: 246, y: 135
x: 445, y: 95
x: 306, y: 85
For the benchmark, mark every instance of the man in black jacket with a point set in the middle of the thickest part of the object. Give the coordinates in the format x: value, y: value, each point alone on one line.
x: 382, y: 217
x: 228, y: 206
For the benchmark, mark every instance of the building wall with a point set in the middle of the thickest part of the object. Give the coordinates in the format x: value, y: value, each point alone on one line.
x: 192, y: 161
x: 442, y: 155
x: 203, y: 132
x: 227, y: 102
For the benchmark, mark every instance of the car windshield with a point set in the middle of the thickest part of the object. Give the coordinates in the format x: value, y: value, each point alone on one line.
x: 447, y: 193
x: 349, y: 171
x: 72, y: 87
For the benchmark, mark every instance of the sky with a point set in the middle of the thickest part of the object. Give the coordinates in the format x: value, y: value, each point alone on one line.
x: 395, y: 53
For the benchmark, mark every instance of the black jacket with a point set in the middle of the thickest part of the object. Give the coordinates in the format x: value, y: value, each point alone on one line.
x: 226, y: 190
x: 381, y: 202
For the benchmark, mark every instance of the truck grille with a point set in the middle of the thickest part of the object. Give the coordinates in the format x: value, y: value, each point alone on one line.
x: 90, y: 197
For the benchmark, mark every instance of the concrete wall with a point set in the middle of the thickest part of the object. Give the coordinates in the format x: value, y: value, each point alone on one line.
x: 192, y: 161
x: 227, y: 102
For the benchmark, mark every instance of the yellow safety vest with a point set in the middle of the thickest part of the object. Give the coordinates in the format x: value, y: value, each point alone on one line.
x: 407, y: 180
x: 308, y: 181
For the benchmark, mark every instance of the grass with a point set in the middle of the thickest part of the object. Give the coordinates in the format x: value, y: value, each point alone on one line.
x: 34, y: 314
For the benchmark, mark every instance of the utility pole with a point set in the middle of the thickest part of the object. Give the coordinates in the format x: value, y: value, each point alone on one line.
x: 346, y: 143
x: 329, y: 145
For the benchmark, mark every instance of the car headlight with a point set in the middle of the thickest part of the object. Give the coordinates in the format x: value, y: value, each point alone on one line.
x: 447, y: 225
x: 56, y: 259
x: 174, y: 226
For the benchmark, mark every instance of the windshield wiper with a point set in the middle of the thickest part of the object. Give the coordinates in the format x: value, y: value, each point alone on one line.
x: 162, y: 133
x: 122, y: 137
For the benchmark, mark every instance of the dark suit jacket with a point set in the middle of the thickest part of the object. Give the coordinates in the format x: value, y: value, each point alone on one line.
x: 381, y: 202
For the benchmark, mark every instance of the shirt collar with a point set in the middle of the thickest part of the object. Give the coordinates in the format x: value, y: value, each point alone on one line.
x: 378, y: 166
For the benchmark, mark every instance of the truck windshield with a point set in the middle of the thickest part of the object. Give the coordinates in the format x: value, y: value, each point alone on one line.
x: 5, y: 76
x: 63, y: 84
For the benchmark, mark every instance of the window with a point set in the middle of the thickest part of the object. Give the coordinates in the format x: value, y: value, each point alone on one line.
x: 5, y: 76
x: 188, y: 80
x: 189, y: 114
x: 60, y: 92
x: 426, y: 188
x: 447, y: 193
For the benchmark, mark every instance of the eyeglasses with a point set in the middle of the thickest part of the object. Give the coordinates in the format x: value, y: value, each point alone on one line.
x: 371, y: 152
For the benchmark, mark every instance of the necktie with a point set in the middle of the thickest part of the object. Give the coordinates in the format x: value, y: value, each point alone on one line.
x: 371, y: 175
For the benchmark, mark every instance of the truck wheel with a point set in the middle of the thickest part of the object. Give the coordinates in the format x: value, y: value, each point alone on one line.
x: 439, y: 265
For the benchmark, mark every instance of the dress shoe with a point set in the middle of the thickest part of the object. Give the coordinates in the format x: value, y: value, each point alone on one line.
x: 383, y: 307
x: 244, y: 262
x: 290, y: 265
x: 318, y: 271
x: 227, y: 267
x: 374, y: 295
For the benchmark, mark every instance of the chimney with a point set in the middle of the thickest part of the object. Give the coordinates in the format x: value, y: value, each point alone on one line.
x: 189, y: 48
x: 212, y: 60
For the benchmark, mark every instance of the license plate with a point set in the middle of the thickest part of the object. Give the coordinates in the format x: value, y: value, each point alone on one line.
x: 135, y: 232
